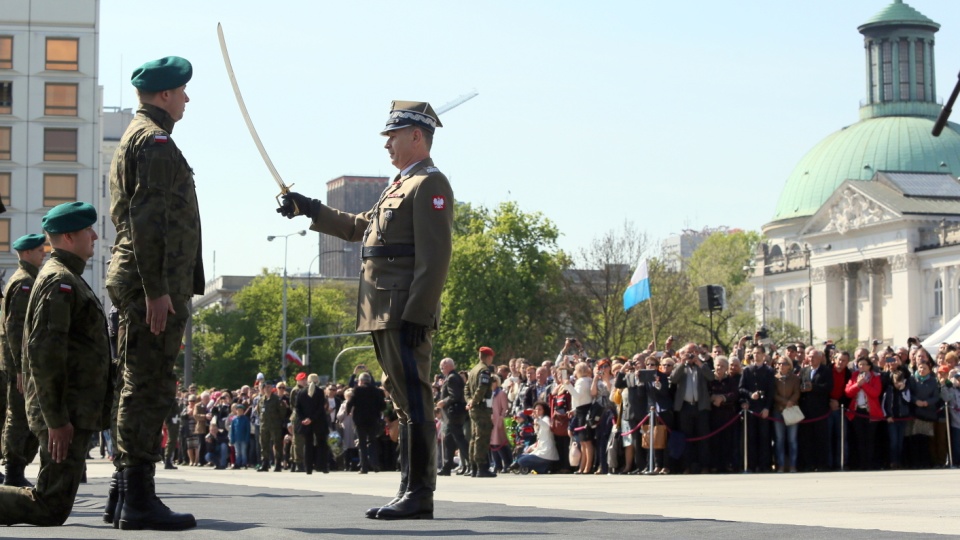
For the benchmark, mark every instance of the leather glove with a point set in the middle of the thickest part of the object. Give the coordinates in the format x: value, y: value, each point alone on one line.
x: 413, y: 334
x: 295, y: 204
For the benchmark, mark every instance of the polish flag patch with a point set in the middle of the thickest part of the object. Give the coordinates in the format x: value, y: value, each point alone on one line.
x: 160, y: 139
x: 439, y: 202
x: 65, y: 288
x: 24, y: 287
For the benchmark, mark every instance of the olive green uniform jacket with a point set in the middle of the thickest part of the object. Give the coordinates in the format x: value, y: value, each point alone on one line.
x: 14, y: 311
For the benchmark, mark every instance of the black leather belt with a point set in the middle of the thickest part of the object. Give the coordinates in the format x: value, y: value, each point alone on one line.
x: 393, y: 250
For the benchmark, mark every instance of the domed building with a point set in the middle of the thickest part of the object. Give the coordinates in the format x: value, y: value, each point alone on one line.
x: 865, y: 238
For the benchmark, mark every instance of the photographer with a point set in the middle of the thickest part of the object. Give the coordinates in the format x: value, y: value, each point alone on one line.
x: 692, y: 405
x: 361, y: 368
x: 583, y: 390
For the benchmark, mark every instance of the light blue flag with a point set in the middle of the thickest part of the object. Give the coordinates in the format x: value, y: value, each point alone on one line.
x: 639, y: 289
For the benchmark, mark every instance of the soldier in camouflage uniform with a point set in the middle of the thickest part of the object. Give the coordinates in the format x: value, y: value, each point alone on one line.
x: 66, y: 369
x: 479, y: 397
x: 271, y: 428
x: 172, y: 423
x: 156, y: 267
x: 19, y: 444
x: 298, y: 447
x: 407, y: 243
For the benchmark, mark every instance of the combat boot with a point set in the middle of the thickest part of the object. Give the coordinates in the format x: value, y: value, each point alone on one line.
x: 112, y: 495
x: 168, y: 463
x: 417, y: 502
x: 142, y: 509
x: 15, y: 477
x: 403, y: 447
x: 121, y: 498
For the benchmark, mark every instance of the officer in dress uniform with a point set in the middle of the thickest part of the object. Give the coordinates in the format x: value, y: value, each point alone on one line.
x: 156, y: 267
x: 19, y: 444
x: 66, y: 370
x: 481, y: 413
x: 407, y: 241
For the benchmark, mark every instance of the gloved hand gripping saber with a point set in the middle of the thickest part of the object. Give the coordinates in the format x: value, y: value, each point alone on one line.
x: 284, y: 189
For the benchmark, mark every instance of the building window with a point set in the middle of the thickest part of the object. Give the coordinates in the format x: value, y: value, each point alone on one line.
x: 874, y: 50
x: 59, y: 145
x: 5, y: 143
x: 5, y: 188
x: 63, y: 54
x: 6, y: 97
x: 904, y: 69
x: 918, y: 53
x: 938, y: 298
x: 801, y: 312
x: 5, y: 235
x: 6, y: 52
x: 59, y: 189
x: 887, y: 71
x: 60, y: 100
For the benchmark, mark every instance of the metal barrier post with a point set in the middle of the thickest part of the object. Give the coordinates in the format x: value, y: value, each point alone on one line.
x: 746, y: 447
x: 949, y: 441
x: 843, y: 438
x: 650, y: 451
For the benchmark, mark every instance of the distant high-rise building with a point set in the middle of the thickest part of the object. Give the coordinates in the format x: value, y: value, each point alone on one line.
x: 49, y: 116
x: 354, y: 194
x: 678, y: 248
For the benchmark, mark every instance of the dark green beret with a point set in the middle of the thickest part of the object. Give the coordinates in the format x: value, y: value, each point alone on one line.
x: 29, y: 241
x: 163, y: 74
x: 69, y: 217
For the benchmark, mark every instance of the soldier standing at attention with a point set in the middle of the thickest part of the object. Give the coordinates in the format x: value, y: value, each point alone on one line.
x: 19, y: 444
x: 297, y: 458
x: 479, y: 404
x: 66, y: 370
x: 407, y: 242
x: 156, y: 267
x: 271, y: 428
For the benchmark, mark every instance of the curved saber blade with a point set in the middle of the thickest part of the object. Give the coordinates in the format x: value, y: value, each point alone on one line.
x: 284, y: 189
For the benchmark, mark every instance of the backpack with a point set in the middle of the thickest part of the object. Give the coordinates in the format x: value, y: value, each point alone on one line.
x: 559, y: 407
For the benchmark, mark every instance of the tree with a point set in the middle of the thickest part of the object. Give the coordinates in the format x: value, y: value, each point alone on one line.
x: 503, y: 289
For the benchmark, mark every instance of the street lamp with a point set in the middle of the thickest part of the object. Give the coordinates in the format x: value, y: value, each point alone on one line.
x: 309, y: 319
x: 283, y: 352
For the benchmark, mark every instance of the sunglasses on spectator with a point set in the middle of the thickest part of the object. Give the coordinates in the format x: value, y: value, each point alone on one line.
x: 782, y: 364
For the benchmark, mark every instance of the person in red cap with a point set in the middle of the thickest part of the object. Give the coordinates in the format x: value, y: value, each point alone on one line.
x: 479, y: 403
x: 297, y: 462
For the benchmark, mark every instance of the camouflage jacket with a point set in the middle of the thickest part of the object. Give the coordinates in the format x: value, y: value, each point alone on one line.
x: 15, y: 297
x: 153, y: 204
x: 271, y: 415
x: 478, y: 385
x: 66, y: 357
x: 416, y: 209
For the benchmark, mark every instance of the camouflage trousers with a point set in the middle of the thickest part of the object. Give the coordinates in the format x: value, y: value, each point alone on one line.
x: 173, y: 438
x: 50, y: 502
x: 4, y: 383
x: 149, y: 384
x: 482, y: 427
x: 271, y: 445
x: 19, y: 443
x: 297, y: 449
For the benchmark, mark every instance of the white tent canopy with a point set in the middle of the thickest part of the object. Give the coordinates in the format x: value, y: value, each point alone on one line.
x: 948, y: 333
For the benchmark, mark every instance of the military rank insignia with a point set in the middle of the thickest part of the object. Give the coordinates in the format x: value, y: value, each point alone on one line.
x: 439, y: 202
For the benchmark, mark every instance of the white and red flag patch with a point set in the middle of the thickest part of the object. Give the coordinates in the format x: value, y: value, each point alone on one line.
x: 24, y: 287
x: 66, y: 288
x: 439, y: 202
x: 160, y: 139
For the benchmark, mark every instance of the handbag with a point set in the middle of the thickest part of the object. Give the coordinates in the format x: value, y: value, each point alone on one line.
x: 792, y: 415
x: 574, y: 454
x: 659, y: 436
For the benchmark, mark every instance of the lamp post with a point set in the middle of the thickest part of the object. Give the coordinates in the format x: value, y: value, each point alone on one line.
x: 283, y: 352
x: 309, y: 319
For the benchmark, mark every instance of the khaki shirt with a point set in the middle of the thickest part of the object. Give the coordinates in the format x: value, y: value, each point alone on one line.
x: 66, y: 357
x: 15, y: 297
x: 416, y: 209
x: 153, y: 204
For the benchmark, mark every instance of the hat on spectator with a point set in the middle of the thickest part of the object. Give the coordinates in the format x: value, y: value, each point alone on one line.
x: 29, y: 241
x: 301, y: 376
x: 164, y: 74
x: 486, y: 351
x: 69, y: 217
x: 260, y: 376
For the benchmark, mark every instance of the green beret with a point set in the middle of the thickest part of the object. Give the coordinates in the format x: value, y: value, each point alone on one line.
x: 29, y: 241
x: 163, y: 74
x: 69, y: 217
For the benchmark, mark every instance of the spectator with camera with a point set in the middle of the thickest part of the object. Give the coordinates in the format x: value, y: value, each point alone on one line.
x: 540, y: 456
x: 756, y: 393
x: 863, y: 390
x: 583, y: 389
x: 217, y: 447
x: 691, y: 405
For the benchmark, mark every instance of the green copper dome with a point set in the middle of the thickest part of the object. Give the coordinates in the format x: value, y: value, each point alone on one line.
x: 898, y: 14
x: 856, y: 152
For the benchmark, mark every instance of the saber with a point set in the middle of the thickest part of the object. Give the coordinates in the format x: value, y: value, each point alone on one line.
x: 284, y: 189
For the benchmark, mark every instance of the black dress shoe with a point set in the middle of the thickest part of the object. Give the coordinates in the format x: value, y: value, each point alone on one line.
x: 486, y: 473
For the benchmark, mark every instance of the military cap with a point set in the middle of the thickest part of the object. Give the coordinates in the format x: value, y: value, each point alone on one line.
x: 163, y: 74
x: 301, y: 376
x: 69, y: 217
x: 486, y: 351
x: 29, y: 241
x: 411, y: 113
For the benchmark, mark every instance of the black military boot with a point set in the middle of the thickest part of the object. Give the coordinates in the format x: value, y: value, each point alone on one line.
x: 121, y: 498
x: 142, y: 509
x: 15, y: 476
x: 417, y: 502
x: 403, y: 442
x: 168, y: 463
x: 112, y: 495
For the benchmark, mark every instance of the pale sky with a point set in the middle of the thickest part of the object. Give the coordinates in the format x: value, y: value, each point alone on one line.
x: 672, y: 114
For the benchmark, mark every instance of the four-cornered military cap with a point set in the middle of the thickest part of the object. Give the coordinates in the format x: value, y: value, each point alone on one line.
x: 411, y: 113
x: 69, y: 217
x: 29, y: 241
x: 163, y: 74
x: 486, y: 351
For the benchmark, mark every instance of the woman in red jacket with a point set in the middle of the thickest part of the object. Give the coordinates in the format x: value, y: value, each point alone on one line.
x: 864, y: 389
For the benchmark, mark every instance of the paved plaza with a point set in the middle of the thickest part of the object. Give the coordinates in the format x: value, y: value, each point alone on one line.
x: 247, y: 504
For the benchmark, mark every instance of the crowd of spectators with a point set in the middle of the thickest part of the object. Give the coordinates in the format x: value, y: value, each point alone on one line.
x: 759, y: 409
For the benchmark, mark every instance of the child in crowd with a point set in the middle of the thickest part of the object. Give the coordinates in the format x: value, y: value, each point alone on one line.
x: 240, y: 436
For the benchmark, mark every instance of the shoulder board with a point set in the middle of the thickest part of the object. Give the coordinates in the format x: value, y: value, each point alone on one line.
x: 429, y: 170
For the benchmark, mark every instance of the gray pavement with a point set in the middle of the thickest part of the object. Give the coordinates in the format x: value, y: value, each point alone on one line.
x: 247, y: 504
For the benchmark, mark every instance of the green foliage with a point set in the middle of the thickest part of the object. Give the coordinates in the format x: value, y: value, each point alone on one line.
x: 503, y: 288
x: 784, y: 333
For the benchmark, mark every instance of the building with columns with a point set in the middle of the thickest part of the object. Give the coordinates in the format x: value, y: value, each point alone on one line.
x: 865, y: 238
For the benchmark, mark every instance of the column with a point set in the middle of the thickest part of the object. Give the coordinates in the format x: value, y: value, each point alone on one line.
x: 906, y: 296
x: 875, y: 268
x: 850, y: 271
